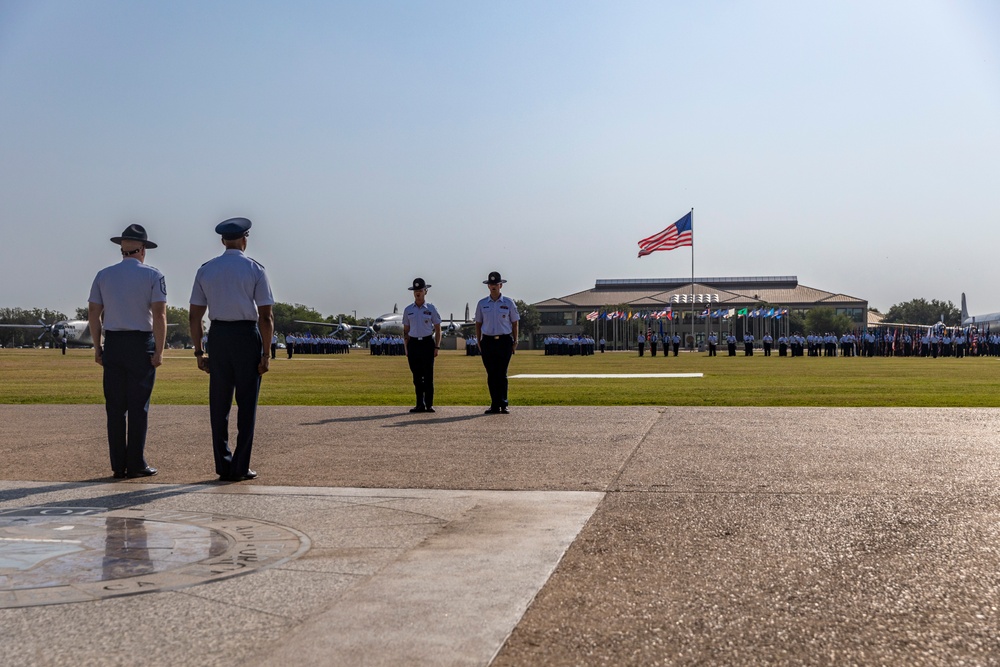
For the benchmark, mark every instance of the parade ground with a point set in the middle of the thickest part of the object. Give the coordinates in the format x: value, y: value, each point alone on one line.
x: 631, y: 535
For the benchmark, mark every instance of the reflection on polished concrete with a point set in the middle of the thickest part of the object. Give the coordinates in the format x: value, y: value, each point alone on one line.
x: 54, y: 554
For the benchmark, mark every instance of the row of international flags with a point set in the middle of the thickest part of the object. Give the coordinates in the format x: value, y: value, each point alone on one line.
x: 669, y: 314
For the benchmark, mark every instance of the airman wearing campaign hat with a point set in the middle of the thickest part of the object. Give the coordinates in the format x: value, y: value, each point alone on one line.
x: 421, y: 342
x: 496, y: 330
x: 233, y: 228
x: 128, y: 305
x: 134, y: 233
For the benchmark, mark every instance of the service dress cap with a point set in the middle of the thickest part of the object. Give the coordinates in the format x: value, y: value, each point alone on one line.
x: 494, y: 279
x: 233, y: 228
x: 418, y: 283
x: 134, y: 233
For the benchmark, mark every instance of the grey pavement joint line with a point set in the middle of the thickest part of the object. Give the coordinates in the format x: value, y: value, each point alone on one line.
x: 612, y: 485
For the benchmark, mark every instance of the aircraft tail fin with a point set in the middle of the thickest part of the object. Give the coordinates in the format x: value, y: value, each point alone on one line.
x: 965, y: 310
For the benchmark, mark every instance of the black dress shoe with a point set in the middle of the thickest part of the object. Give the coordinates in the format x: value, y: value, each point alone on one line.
x: 119, y: 474
x: 250, y: 474
x: 492, y: 411
x: 504, y: 410
x: 430, y: 409
x: 419, y: 408
x: 148, y: 471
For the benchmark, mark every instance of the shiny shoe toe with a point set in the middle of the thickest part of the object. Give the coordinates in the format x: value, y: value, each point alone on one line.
x: 148, y: 471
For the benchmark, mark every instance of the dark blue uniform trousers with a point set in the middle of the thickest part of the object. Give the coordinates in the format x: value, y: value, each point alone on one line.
x: 128, y: 384
x: 235, y: 354
x: 420, y: 356
x: 496, y: 352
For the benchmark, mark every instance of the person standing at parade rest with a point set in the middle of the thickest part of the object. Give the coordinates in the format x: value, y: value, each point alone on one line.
x: 603, y: 343
x: 731, y: 344
x: 237, y: 295
x: 768, y: 341
x: 496, y: 329
x: 713, y: 342
x: 274, y: 344
x: 128, y: 302
x: 748, y: 344
x: 641, y: 342
x: 421, y: 341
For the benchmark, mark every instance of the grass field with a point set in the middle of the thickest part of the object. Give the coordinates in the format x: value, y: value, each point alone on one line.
x: 45, y: 376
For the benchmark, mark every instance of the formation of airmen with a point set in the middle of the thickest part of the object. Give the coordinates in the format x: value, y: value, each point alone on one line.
x: 471, y: 346
x: 582, y: 345
x: 306, y: 343
x: 386, y: 346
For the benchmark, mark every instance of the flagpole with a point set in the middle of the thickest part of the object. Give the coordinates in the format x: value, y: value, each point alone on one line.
x: 692, y: 278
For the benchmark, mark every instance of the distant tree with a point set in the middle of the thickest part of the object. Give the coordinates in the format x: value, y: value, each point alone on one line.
x: 921, y: 311
x: 530, y: 319
x: 797, y: 322
x: 285, y: 315
x: 821, y: 320
x: 179, y: 335
x: 82, y: 313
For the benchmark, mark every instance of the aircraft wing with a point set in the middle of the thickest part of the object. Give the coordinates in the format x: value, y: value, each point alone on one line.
x: 338, y: 327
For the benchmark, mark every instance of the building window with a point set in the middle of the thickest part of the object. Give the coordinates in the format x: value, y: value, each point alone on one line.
x: 557, y: 319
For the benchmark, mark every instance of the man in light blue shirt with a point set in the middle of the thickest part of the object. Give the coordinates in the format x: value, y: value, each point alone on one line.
x: 235, y: 292
x: 496, y: 330
x: 128, y: 301
x: 421, y: 342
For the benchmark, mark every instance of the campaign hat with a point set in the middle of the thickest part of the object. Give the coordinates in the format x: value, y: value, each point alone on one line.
x: 418, y: 283
x: 233, y: 228
x: 494, y: 279
x: 134, y: 233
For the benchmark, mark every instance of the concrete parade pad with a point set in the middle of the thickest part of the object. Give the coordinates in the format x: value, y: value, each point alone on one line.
x: 552, y: 536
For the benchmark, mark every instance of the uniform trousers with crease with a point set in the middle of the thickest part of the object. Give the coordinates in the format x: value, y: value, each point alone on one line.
x: 420, y: 356
x: 128, y: 384
x: 235, y: 355
x: 496, y: 352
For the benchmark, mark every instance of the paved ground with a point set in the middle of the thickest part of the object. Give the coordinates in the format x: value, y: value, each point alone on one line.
x: 637, y: 536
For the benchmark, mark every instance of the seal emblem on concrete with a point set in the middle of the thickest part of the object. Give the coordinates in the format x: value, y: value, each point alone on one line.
x: 53, y: 555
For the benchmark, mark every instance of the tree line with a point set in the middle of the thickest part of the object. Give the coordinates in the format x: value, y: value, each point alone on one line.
x: 285, y: 315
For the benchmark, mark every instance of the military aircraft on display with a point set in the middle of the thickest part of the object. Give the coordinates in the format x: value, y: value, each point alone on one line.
x: 77, y: 332
x: 979, y: 321
x: 391, y: 324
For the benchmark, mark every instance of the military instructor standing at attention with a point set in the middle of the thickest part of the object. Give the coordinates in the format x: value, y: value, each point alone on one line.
x: 421, y: 342
x: 234, y: 290
x: 496, y: 330
x: 131, y: 298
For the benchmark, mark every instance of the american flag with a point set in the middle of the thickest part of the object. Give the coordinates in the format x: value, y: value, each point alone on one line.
x: 676, y: 235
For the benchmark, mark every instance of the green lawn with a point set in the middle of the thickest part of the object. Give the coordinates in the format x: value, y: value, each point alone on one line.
x: 45, y: 376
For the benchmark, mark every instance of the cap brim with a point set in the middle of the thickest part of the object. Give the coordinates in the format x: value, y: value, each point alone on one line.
x: 119, y: 239
x: 486, y: 282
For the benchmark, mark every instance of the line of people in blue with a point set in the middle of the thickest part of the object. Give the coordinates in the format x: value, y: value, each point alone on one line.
x: 386, y: 346
x: 307, y: 343
x: 569, y: 345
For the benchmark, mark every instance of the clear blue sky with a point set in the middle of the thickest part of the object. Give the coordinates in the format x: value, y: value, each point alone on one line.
x: 855, y: 144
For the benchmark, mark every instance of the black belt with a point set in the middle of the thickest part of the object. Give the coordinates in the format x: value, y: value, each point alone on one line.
x: 234, y: 323
x: 497, y: 337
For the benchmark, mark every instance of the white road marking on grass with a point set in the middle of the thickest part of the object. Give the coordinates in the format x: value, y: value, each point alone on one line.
x: 608, y: 375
